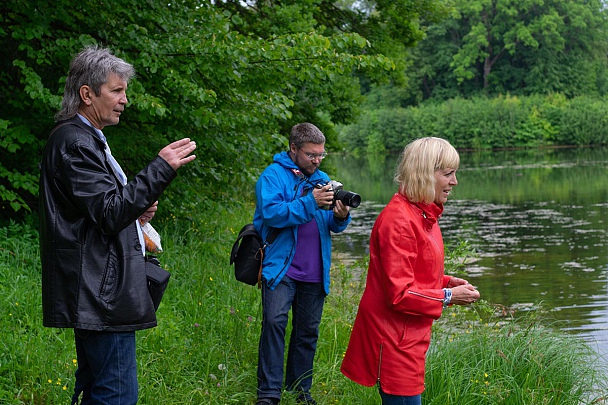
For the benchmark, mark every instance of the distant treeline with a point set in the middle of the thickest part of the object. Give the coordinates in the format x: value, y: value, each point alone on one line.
x: 484, y: 123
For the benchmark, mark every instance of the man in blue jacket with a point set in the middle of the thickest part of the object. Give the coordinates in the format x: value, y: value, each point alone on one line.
x: 293, y: 195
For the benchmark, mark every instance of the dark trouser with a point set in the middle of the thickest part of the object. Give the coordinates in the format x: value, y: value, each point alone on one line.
x: 388, y: 399
x: 107, y: 368
x: 306, y: 303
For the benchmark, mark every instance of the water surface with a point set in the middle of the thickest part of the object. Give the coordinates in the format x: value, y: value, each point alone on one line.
x: 536, y: 219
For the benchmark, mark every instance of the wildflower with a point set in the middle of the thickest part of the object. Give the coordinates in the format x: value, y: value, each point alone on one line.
x: 212, y: 376
x: 196, y: 325
x: 221, y: 367
x: 210, y: 278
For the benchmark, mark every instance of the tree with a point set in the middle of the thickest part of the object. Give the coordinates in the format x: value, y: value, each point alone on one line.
x: 515, y: 46
x: 220, y: 73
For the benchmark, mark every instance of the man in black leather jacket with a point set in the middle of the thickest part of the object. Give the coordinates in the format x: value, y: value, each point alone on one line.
x: 93, y: 263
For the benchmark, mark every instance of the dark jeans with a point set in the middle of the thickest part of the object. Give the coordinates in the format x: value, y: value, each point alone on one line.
x: 306, y: 303
x: 388, y: 399
x: 107, y: 369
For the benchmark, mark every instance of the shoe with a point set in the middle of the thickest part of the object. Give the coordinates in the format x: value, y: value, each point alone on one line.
x: 267, y: 401
x: 305, y: 399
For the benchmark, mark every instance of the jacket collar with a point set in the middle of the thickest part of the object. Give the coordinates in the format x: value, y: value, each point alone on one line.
x: 430, y: 212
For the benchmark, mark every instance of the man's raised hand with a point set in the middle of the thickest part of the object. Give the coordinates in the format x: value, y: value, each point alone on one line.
x: 178, y: 153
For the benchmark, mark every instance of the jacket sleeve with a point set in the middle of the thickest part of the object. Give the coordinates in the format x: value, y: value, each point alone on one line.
x: 409, y: 275
x: 94, y: 192
x: 279, y: 205
x: 338, y: 225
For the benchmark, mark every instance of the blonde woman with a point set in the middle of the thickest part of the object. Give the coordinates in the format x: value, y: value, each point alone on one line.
x: 406, y: 288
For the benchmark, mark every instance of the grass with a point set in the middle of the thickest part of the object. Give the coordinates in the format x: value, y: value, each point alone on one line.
x: 204, y: 350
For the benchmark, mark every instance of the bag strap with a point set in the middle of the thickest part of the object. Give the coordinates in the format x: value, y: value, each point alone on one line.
x: 260, y: 269
x: 273, y: 235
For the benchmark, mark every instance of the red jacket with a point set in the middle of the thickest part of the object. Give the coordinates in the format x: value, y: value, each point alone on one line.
x: 402, y: 297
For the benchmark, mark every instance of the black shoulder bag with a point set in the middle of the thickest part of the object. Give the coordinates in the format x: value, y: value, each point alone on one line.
x: 249, y: 254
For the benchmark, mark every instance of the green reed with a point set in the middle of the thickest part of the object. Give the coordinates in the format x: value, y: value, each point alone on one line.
x: 204, y: 350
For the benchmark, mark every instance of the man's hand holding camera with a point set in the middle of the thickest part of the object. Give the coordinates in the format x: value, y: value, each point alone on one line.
x: 341, y: 210
x: 324, y: 196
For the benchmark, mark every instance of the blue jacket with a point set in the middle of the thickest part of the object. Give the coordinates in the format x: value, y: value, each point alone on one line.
x: 280, y: 204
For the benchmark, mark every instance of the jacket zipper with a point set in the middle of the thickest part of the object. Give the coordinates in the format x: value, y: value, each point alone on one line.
x: 379, y: 365
x: 283, y: 270
x: 425, y: 296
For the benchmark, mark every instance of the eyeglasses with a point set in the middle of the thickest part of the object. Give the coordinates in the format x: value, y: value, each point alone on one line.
x: 313, y: 156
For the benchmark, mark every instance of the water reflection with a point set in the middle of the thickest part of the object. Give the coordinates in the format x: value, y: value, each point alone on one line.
x: 535, y: 218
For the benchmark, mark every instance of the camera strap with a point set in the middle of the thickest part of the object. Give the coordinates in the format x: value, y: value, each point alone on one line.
x: 303, y: 177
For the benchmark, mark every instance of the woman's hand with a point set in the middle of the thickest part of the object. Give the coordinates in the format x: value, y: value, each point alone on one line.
x: 464, y: 294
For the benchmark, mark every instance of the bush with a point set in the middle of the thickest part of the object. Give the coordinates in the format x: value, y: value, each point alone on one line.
x: 484, y: 123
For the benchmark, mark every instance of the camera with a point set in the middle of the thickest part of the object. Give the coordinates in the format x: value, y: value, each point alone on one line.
x: 347, y: 197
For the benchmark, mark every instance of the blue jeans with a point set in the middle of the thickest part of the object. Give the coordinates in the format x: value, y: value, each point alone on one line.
x: 306, y: 303
x: 107, y: 368
x: 388, y: 399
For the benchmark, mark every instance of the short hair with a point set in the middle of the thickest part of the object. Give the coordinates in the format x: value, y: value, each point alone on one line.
x: 306, y: 132
x: 415, y: 173
x: 92, y: 67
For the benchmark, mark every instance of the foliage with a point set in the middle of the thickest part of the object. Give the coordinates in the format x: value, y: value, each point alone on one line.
x: 233, y: 76
x: 519, y: 47
x: 485, y: 123
x: 204, y: 350
x: 500, y: 362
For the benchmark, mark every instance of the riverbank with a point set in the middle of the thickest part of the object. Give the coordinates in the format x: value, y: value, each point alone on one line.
x: 204, y: 350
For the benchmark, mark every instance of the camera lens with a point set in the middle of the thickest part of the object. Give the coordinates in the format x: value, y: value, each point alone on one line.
x: 348, y: 198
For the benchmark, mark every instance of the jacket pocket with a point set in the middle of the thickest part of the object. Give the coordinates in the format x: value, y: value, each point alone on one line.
x: 416, y: 331
x: 109, y: 281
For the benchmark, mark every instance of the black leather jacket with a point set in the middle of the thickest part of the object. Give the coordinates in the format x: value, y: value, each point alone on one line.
x: 93, y: 273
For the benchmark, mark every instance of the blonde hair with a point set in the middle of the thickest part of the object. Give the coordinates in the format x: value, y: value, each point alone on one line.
x: 415, y: 174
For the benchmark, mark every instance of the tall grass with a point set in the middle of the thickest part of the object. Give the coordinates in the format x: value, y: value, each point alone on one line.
x: 204, y: 350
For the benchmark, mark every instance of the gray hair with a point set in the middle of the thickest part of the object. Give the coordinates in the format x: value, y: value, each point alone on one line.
x: 306, y: 132
x: 91, y: 67
x: 415, y: 174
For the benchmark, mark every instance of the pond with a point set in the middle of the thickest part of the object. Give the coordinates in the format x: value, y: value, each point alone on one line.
x: 535, y: 218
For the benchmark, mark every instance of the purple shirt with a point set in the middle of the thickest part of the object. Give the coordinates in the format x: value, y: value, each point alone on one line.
x: 306, y: 264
